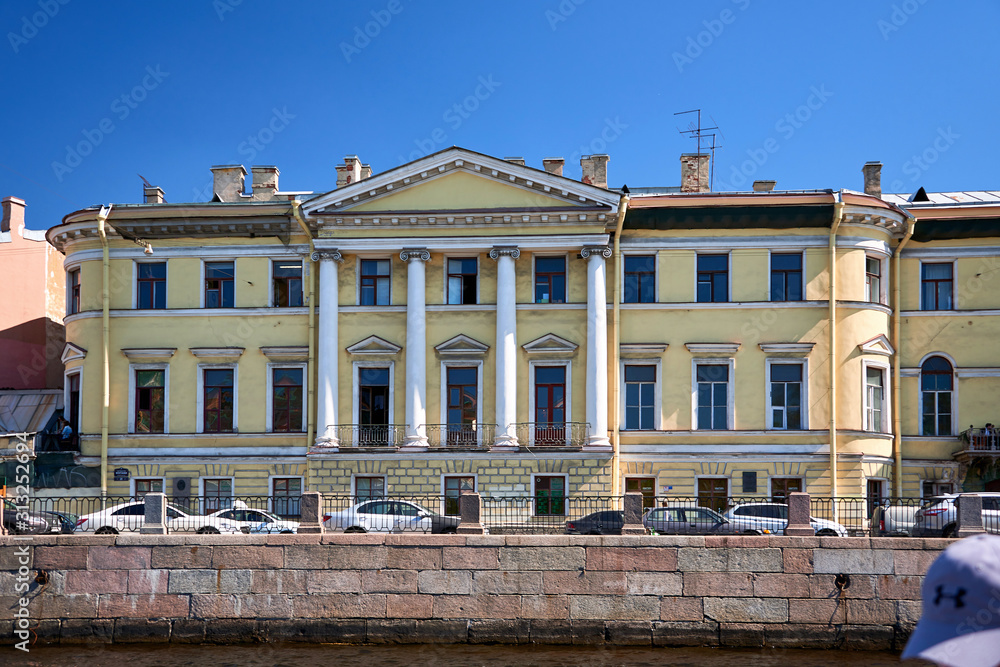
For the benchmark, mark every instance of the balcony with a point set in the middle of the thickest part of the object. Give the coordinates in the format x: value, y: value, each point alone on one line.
x: 371, y: 435
x: 979, y: 442
x: 460, y: 436
x: 552, y: 434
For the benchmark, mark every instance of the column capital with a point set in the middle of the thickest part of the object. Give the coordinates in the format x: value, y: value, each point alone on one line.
x: 589, y: 250
x: 499, y: 251
x: 420, y: 254
x: 332, y: 253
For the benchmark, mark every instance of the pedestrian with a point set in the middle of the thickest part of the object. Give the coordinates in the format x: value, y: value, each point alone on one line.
x: 960, y: 623
x: 65, y: 432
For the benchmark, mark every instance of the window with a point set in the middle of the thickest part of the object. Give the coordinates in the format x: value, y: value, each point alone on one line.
x: 873, y: 280
x: 73, y: 401
x: 713, y: 278
x: 375, y: 282
x: 286, y: 284
x: 876, y: 494
x: 936, y: 286
x: 286, y: 400
x: 713, y: 492
x: 550, y: 495
x: 550, y: 405
x: 216, y: 494
x: 931, y: 488
x: 369, y: 487
x: 712, y: 396
x: 874, y: 399
x: 219, y: 281
x: 785, y: 396
x: 782, y: 486
x: 144, y: 486
x: 640, y: 397
x: 644, y: 485
x: 462, y: 280
x: 373, y: 406
x: 786, y: 276
x: 550, y: 280
x: 151, y: 285
x: 150, y: 400
x: 935, y: 396
x: 463, y: 402
x: 286, y: 493
x: 455, y: 487
x: 219, y: 400
x: 73, y: 303
x: 640, y: 279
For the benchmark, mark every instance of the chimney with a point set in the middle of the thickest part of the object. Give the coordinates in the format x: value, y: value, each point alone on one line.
x: 349, y: 172
x: 13, y: 214
x: 265, y: 182
x: 763, y: 186
x: 152, y: 194
x: 515, y: 160
x: 553, y: 165
x: 594, y: 170
x: 694, y: 172
x: 873, y: 178
x: 366, y: 171
x: 229, y: 180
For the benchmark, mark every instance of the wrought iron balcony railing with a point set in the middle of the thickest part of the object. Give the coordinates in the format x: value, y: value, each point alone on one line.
x: 552, y: 434
x: 463, y: 436
x: 371, y: 435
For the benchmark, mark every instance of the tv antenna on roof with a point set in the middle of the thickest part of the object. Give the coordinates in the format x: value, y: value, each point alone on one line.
x: 703, y: 139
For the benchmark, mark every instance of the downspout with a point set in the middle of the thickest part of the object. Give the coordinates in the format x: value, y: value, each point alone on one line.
x: 102, y: 218
x: 897, y: 418
x: 838, y: 214
x: 616, y: 353
x: 311, y: 380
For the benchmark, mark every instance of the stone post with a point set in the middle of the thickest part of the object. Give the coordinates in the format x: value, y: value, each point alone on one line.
x: 969, y: 515
x: 633, y: 515
x: 311, y: 512
x: 799, y: 523
x: 156, y: 514
x: 470, y: 508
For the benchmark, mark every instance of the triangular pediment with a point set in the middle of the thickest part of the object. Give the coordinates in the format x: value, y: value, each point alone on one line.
x: 878, y: 345
x: 373, y: 345
x: 462, y: 344
x: 550, y: 343
x: 73, y: 352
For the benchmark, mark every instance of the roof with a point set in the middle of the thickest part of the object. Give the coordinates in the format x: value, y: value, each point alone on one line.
x: 28, y: 411
x: 972, y: 197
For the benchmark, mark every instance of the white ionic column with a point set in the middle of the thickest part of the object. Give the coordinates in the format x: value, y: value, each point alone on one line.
x: 597, y: 346
x: 416, y: 347
x: 327, y: 349
x: 506, y: 346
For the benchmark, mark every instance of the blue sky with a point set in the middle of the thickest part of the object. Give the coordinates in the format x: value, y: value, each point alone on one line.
x: 804, y: 93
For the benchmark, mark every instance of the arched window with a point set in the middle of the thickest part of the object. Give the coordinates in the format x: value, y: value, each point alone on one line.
x: 936, y: 378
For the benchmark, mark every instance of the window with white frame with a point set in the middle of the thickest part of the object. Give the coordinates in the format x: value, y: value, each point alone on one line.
x: 462, y: 280
x: 639, y: 279
x: 148, y: 402
x: 937, y: 286
x: 73, y: 291
x: 876, y: 413
x: 936, y: 384
x: 143, y: 485
x: 549, y: 402
x: 454, y: 487
x: 285, y: 390
x: 873, y: 279
x: 712, y: 278
x: 286, y: 283
x: 932, y: 487
x: 550, y: 279
x: 877, y: 493
x: 461, y: 405
x: 786, y: 403
x: 712, y: 394
x: 286, y: 494
x: 375, y: 282
x: 216, y: 493
x: 640, y: 397
x: 217, y: 399
x: 150, y: 285
x: 786, y: 276
x: 550, y: 495
x: 368, y: 487
x: 71, y: 398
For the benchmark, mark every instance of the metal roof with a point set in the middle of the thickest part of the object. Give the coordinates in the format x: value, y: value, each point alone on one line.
x: 946, y: 198
x: 28, y: 411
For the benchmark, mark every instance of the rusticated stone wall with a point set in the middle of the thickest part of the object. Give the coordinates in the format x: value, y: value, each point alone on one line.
x: 680, y: 591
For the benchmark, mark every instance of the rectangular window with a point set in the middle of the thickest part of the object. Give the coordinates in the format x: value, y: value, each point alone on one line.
x: 366, y: 488
x: 219, y: 282
x: 786, y: 276
x: 640, y: 279
x: 550, y: 280
x: 150, y: 393
x: 876, y: 494
x: 874, y: 398
x: 550, y: 495
x: 73, y: 408
x: 217, y: 494
x: 873, y: 280
x: 782, y: 486
x: 375, y: 282
x: 373, y: 406
x: 286, y: 284
x: 455, y: 487
x: 786, y: 396
x: 936, y: 286
x: 286, y: 493
x: 151, y: 285
x: 713, y: 396
x: 550, y: 405
x: 713, y: 278
x: 463, y: 401
x: 644, y: 485
x: 73, y: 306
x: 286, y: 400
x: 144, y: 486
x: 713, y: 492
x: 462, y: 281
x: 640, y: 392
x: 931, y: 488
x: 219, y: 399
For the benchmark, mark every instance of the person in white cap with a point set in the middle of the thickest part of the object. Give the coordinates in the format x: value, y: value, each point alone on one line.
x: 960, y: 623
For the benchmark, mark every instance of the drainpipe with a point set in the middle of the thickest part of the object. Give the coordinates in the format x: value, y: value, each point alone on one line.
x: 616, y: 353
x: 838, y: 215
x: 897, y: 418
x: 102, y: 218
x: 311, y: 380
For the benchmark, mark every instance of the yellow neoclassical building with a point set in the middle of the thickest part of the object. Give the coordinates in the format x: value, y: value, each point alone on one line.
x: 469, y: 322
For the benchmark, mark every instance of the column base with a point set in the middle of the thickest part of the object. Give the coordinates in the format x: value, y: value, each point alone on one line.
x: 327, y: 444
x: 414, y: 443
x: 598, y: 444
x: 505, y: 443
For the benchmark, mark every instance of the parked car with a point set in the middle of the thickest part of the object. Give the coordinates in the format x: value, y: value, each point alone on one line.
x: 607, y: 522
x: 771, y: 518
x: 254, y: 520
x: 131, y: 517
x: 60, y: 522
x: 893, y: 520
x: 937, y: 517
x: 687, y: 520
x: 25, y: 523
x: 382, y: 515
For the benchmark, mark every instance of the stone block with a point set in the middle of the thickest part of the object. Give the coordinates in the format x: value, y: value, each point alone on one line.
x: 694, y: 559
x: 139, y: 630
x: 681, y: 633
x: 506, y: 631
x: 852, y: 561
x: 588, y: 632
x: 470, y: 558
x: 628, y: 633
x: 800, y: 635
x: 86, y: 631
x: 893, y: 587
x: 755, y: 560
x: 55, y: 558
x: 742, y: 635
x: 315, y: 631
x: 194, y: 581
x: 143, y: 606
x: 373, y: 557
x: 624, y: 559
x: 584, y: 583
x: 912, y: 562
x: 444, y: 582
x: 632, y: 513
x: 543, y: 558
x: 388, y: 581
x: 248, y: 558
x: 332, y: 581
x: 343, y: 605
x: 147, y: 581
x: 781, y: 586
x: 681, y: 609
x: 797, y: 561
x: 413, y: 558
x: 311, y: 512
x: 623, y: 608
x: 241, y: 606
x: 718, y: 584
x: 119, y: 558
x: 16, y: 554
x: 156, y: 515
x: 968, y: 515
x: 654, y: 583
x: 553, y: 607
x: 477, y: 606
x: 409, y: 606
x: 182, y: 556
x: 470, y: 507
x: 436, y: 631
x: 61, y: 606
x: 233, y: 581
x: 506, y: 583
x: 282, y: 581
x: 187, y: 631
x: 908, y: 612
x: 232, y: 631
x: 91, y: 581
x: 825, y: 586
x: 798, y: 515
x: 834, y: 611
x: 307, y: 557
x: 423, y: 540
x: 746, y: 610
x: 869, y: 638
x: 554, y: 632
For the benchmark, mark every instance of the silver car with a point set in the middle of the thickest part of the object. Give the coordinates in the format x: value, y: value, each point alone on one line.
x: 772, y: 518
x: 937, y: 518
x: 686, y: 520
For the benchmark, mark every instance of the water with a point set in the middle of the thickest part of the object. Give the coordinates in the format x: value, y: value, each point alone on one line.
x: 450, y: 655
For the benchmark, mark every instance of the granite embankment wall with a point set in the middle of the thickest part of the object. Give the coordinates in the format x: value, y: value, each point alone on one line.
x: 644, y: 590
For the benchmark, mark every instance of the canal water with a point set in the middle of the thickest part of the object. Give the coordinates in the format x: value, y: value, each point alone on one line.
x: 450, y: 655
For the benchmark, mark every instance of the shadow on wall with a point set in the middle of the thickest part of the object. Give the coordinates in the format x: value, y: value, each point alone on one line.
x: 32, y: 354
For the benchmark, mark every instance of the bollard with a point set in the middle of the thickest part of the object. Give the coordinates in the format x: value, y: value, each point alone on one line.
x: 799, y: 521
x: 3, y: 531
x: 633, y: 515
x: 156, y: 514
x: 470, y: 508
x: 311, y: 512
x: 969, y: 515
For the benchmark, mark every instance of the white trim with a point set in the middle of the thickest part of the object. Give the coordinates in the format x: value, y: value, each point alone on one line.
x: 944, y: 313
x: 201, y: 282
x: 132, y: 368
x: 446, y: 257
x: 254, y: 311
x: 729, y: 481
x: 657, y: 393
x: 374, y: 345
x: 148, y: 353
x: 656, y: 275
x: 977, y: 372
x: 642, y: 348
x: 66, y: 397
x: 802, y: 272
x: 954, y: 394
x: 270, y: 489
x: 269, y: 396
x: 462, y: 363
x: 200, y: 396
x: 779, y: 242
x: 72, y: 352
x: 886, y: 490
x: 378, y: 247
x: 475, y: 486
x: 534, y: 363
x: 730, y: 363
x: 145, y: 454
x: 231, y: 354
x: 947, y: 259
x: 69, y: 289
x: 285, y: 353
x: 462, y: 345
x: 951, y: 359
x: 558, y: 345
x: 356, y: 387
x: 135, y: 280
x: 883, y: 276
x: 729, y: 274
x: 566, y: 490
x: 354, y: 486
x: 713, y: 348
x: 951, y: 252
x: 132, y: 480
x: 544, y: 255
x: 770, y: 487
x: 803, y: 391
x: 786, y: 348
x: 201, y: 490
x: 762, y: 305
x: 358, y: 258
x: 173, y: 251
x: 886, y: 395
x: 270, y: 282
x: 879, y: 345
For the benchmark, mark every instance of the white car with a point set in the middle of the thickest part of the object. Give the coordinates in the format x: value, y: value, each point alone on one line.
x: 771, y: 519
x: 385, y: 515
x: 256, y: 521
x: 130, y: 517
x: 937, y: 518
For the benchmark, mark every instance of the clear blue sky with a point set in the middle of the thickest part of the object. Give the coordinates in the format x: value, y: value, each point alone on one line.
x: 804, y: 93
